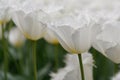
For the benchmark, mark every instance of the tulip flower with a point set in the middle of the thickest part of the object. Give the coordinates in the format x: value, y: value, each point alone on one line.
x: 74, y: 34
x: 31, y: 20
x: 4, y: 11
x: 16, y: 38
x: 29, y: 24
x: 71, y: 71
x: 50, y: 37
x: 108, y: 41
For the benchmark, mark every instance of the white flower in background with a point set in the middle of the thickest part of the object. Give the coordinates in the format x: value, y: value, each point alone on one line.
x: 109, y: 9
x: 50, y: 37
x: 16, y: 38
x: 107, y: 5
x: 4, y: 11
x: 77, y: 5
x: 63, y: 7
x: 116, y: 77
x: 74, y: 32
x: 71, y: 71
x: 108, y: 41
x: 30, y: 20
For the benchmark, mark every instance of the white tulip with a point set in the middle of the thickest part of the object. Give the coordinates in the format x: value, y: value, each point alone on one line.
x: 16, y: 38
x: 74, y: 33
x: 50, y: 37
x: 30, y: 20
x: 4, y: 11
x: 71, y: 71
x: 108, y: 41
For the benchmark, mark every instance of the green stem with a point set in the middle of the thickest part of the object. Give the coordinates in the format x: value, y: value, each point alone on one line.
x: 81, y: 66
x: 20, y: 60
x: 5, y: 53
x: 34, y: 59
x: 115, y: 68
x: 56, y: 57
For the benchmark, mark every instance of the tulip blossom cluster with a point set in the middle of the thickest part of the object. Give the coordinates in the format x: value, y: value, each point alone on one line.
x: 77, y: 25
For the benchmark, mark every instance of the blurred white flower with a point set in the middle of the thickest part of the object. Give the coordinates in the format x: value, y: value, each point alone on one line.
x: 30, y: 20
x: 107, y: 5
x: 50, y: 37
x: 16, y: 38
x: 74, y: 32
x: 4, y: 11
x: 116, y: 77
x: 71, y: 71
x: 108, y: 41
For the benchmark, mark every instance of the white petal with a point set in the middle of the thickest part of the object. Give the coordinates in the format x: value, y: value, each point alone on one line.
x: 114, y: 53
x: 73, y: 75
x: 16, y: 17
x: 50, y: 37
x: 63, y: 33
x: 103, y: 45
x: 29, y: 24
x: 16, y: 38
x: 71, y: 71
x: 82, y: 39
x: 116, y: 77
x: 108, y: 41
x: 33, y: 27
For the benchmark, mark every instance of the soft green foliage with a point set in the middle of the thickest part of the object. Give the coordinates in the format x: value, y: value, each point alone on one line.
x: 104, y: 69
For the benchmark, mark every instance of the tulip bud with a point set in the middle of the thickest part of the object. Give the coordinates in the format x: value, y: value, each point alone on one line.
x: 16, y: 38
x: 50, y: 37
